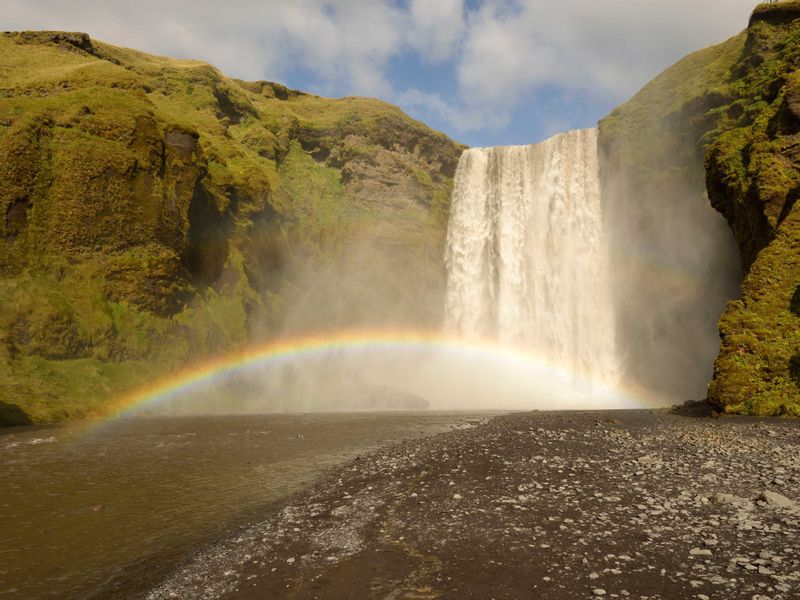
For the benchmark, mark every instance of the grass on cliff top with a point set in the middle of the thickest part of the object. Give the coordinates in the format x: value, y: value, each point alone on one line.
x: 240, y: 127
x: 640, y: 124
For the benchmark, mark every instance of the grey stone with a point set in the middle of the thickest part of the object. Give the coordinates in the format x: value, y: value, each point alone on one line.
x: 778, y: 500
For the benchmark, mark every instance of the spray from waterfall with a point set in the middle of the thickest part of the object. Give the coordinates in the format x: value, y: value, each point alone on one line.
x: 529, y: 319
x: 526, y: 258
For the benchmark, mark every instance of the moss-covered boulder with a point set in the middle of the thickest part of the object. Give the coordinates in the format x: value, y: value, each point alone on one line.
x: 155, y: 212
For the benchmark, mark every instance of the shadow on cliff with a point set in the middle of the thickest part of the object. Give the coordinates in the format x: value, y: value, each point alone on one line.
x: 11, y: 414
x: 794, y: 368
x: 794, y: 362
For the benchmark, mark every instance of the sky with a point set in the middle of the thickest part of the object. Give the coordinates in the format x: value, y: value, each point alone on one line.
x: 486, y: 72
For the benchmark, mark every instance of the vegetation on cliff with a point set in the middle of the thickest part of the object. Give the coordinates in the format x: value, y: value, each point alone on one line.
x: 753, y: 178
x: 155, y: 212
x: 729, y: 116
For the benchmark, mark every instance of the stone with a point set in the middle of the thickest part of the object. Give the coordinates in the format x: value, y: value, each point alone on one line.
x: 730, y: 499
x: 778, y: 500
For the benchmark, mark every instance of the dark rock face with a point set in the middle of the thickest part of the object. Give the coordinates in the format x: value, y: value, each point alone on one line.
x: 780, y: 13
x: 16, y: 219
x: 68, y: 40
x: 11, y: 414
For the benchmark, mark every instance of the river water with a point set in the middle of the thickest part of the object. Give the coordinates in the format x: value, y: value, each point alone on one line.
x: 105, y: 512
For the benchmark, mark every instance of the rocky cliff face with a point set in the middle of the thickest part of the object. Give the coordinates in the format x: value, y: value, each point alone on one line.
x: 753, y: 178
x: 154, y: 211
x: 726, y: 117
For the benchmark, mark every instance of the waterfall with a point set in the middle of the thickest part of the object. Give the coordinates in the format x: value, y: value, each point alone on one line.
x: 526, y: 260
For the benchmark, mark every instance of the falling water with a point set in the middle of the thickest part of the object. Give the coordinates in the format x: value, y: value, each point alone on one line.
x: 526, y: 260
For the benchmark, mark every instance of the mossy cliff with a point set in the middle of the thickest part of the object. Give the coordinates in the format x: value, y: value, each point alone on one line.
x: 753, y: 178
x: 155, y: 212
x: 729, y: 117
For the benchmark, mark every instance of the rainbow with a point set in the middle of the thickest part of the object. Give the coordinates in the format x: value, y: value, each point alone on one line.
x: 291, y: 349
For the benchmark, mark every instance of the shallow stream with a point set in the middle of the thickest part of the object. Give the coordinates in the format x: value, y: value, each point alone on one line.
x: 105, y: 511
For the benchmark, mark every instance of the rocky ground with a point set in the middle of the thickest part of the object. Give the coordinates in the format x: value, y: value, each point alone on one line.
x: 639, y: 504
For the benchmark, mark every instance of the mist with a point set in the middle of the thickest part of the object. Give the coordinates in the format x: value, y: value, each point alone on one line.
x: 383, y: 279
x: 443, y: 378
x: 674, y: 266
x: 606, y: 285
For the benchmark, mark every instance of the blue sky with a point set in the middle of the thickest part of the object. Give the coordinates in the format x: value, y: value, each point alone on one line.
x: 486, y: 72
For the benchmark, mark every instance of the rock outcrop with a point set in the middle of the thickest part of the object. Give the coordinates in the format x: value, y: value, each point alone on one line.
x: 155, y: 212
x: 753, y: 178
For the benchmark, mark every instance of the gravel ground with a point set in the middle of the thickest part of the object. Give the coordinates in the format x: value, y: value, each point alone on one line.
x: 631, y: 504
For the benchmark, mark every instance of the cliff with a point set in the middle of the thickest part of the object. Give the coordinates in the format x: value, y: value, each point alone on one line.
x: 724, y: 121
x: 154, y: 212
x: 753, y: 178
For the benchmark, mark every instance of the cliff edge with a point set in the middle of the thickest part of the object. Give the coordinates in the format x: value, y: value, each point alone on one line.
x: 753, y: 178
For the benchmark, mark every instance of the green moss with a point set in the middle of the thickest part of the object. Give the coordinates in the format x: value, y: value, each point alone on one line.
x: 49, y: 391
x: 761, y: 333
x: 318, y: 200
x: 753, y: 178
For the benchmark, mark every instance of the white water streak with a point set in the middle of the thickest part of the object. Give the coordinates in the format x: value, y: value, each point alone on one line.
x: 526, y: 258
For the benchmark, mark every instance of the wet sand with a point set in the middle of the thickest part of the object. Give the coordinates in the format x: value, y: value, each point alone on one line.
x: 633, y: 504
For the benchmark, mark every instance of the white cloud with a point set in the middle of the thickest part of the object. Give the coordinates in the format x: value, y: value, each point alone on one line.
x: 511, y: 48
x: 437, y: 27
x: 461, y: 116
x: 500, y: 51
x: 346, y: 42
x: 602, y: 48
